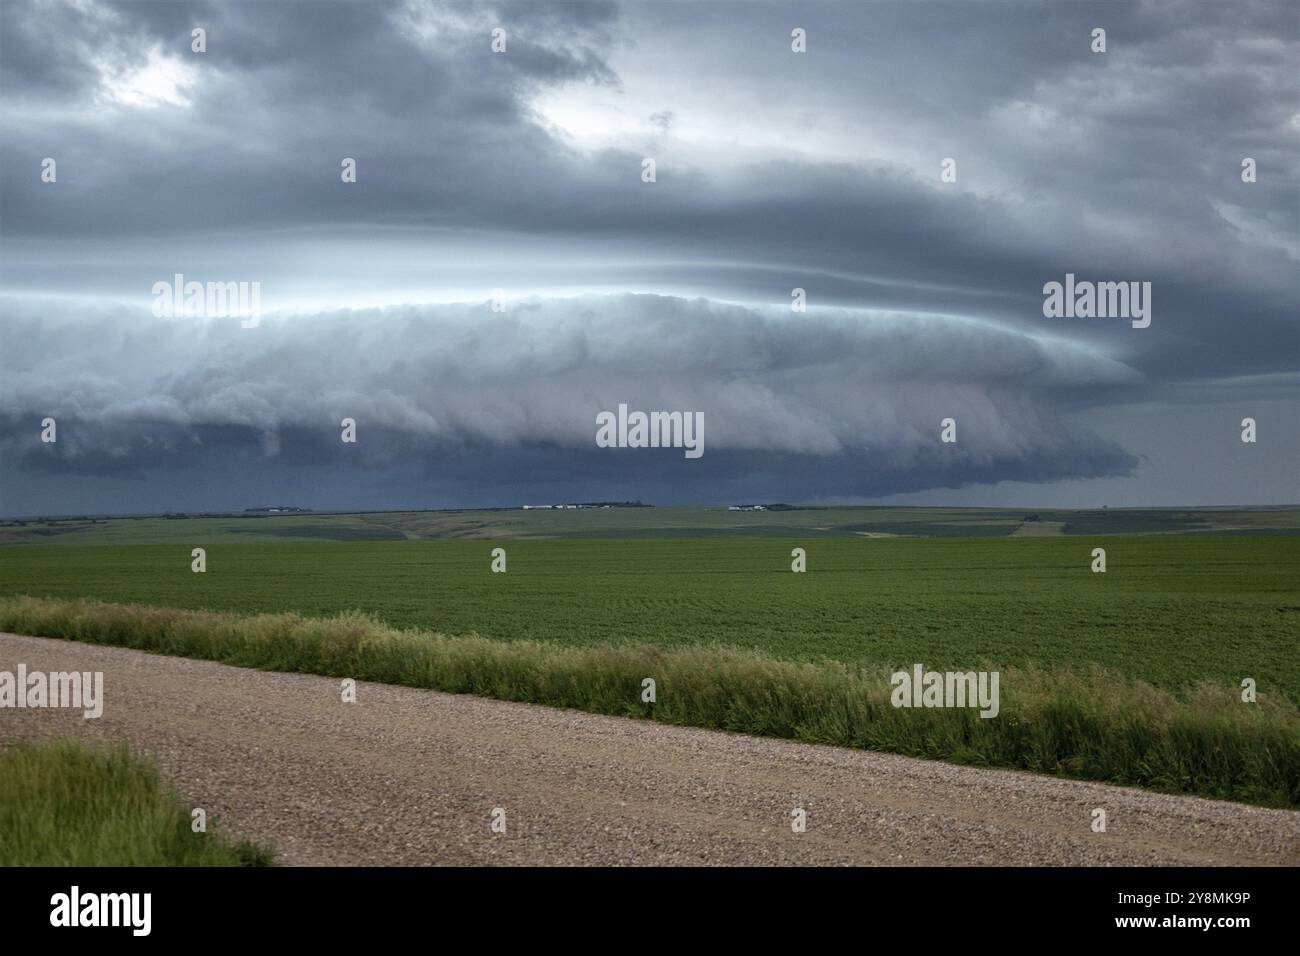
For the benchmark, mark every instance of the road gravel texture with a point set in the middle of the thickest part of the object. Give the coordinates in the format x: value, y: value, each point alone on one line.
x: 412, y: 777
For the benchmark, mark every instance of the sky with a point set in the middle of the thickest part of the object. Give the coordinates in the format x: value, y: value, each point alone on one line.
x: 500, y: 272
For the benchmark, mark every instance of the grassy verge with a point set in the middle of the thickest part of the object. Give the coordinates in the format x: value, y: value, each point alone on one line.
x: 1093, y: 724
x: 63, y: 803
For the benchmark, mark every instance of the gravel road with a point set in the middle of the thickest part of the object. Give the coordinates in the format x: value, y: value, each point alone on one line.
x: 411, y: 777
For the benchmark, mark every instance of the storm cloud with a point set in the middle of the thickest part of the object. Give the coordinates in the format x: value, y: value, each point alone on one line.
x: 521, y: 171
x: 839, y: 389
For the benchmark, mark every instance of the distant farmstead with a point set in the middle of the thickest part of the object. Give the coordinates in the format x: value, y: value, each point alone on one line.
x: 585, y: 504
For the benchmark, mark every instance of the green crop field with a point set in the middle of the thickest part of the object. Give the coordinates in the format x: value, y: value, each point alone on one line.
x: 807, y: 523
x: 1171, y: 609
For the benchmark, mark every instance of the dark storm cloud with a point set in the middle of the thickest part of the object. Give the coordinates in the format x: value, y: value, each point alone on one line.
x: 283, y: 93
x: 844, y: 404
x: 818, y: 171
x: 1123, y: 165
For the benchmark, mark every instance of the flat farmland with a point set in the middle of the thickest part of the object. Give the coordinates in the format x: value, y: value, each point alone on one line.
x: 806, y: 523
x: 1171, y: 609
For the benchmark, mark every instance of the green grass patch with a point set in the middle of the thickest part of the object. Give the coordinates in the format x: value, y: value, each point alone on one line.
x: 1090, y: 723
x: 1171, y: 610
x: 63, y: 803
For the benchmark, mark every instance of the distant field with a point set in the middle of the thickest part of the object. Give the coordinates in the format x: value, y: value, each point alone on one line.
x: 625, y: 523
x: 1171, y: 609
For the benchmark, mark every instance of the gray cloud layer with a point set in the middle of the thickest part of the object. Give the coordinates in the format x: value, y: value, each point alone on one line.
x: 856, y: 399
x: 775, y: 171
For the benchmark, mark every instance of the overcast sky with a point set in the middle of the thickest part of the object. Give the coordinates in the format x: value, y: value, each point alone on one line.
x: 521, y: 171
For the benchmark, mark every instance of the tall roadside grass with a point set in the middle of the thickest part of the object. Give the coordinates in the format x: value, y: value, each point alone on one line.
x: 1089, y: 724
x: 63, y: 803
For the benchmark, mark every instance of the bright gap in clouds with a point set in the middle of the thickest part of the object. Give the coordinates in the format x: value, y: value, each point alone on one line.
x: 159, y: 81
x: 692, y: 127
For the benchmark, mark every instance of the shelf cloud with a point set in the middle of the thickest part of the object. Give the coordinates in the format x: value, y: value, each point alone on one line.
x: 521, y: 170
